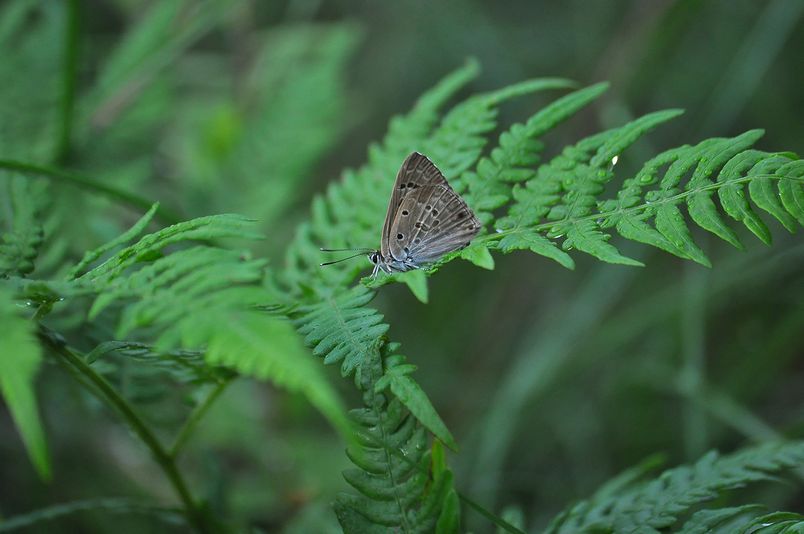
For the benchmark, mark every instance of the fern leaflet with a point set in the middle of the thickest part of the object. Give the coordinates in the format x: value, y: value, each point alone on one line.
x: 657, y: 504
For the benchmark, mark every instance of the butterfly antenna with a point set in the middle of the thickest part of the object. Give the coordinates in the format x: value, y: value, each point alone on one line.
x: 361, y: 250
x: 343, y: 259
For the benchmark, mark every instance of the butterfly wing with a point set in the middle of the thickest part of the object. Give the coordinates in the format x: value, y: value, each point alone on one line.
x: 430, y: 221
x: 415, y: 173
x: 438, y: 222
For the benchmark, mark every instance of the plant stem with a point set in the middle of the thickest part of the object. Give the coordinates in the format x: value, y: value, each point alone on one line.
x: 137, y: 425
x: 69, y: 71
x: 166, y: 215
x: 196, y: 415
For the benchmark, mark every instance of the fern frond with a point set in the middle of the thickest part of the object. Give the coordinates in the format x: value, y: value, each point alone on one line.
x: 150, y: 246
x: 458, y: 142
x: 657, y: 504
x: 206, y: 297
x: 401, y: 488
x: 341, y: 328
x: 721, y: 520
x: 562, y: 199
x: 20, y: 357
x: 517, y: 153
x: 29, y: 97
x: 183, y: 366
x: 126, y: 237
x: 19, y: 246
x: 776, y: 523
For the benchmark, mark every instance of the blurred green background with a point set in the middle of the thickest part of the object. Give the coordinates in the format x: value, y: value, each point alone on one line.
x: 551, y: 380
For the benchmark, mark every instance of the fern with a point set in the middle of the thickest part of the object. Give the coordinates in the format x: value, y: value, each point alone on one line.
x: 517, y: 153
x: 341, y: 328
x: 20, y: 356
x: 28, y: 106
x: 202, y: 297
x: 336, y: 321
x: 548, y: 209
x: 657, y: 504
x: 207, y: 296
x: 19, y: 246
x: 747, y: 519
x: 394, y: 467
x: 562, y: 200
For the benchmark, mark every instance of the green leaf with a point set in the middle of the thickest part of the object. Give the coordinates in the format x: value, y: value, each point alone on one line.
x: 704, y: 212
x: 625, y: 136
x: 341, y: 329
x: 416, y: 280
x: 133, y: 232
x: 449, y: 521
x: 791, y: 188
x: 656, y: 504
x: 585, y: 236
x: 520, y: 239
x: 479, y: 255
x: 20, y: 245
x: 415, y: 399
x: 670, y: 223
x: 267, y: 348
x: 720, y: 521
x: 20, y: 357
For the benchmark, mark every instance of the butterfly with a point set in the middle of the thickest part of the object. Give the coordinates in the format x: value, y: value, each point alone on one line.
x: 426, y: 219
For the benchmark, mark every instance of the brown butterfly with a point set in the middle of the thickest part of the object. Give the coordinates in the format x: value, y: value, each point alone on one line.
x: 426, y: 219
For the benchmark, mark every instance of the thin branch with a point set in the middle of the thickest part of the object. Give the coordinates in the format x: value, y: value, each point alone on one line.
x: 117, y: 505
x: 69, y: 76
x: 196, y: 416
x: 166, y: 215
x: 108, y: 394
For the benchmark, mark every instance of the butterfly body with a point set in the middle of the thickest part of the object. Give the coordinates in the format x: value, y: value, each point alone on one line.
x: 425, y: 219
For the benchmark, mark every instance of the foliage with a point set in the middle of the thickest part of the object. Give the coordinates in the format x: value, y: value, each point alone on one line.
x: 186, y: 308
x: 651, y: 506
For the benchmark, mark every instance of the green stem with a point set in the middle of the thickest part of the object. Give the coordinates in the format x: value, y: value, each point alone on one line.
x: 137, y: 425
x: 196, y: 416
x: 692, y: 375
x: 69, y: 76
x: 164, y: 214
x: 115, y: 505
